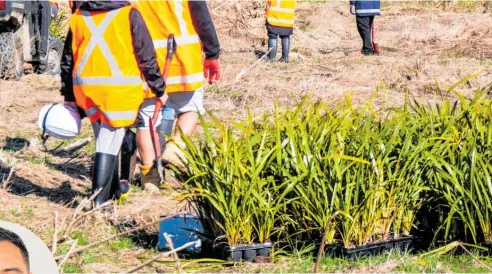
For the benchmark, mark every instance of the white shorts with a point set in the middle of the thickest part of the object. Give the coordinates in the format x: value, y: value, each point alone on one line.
x: 146, y: 112
x: 183, y: 101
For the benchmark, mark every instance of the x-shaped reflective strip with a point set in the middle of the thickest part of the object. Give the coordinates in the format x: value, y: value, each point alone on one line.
x: 97, y: 39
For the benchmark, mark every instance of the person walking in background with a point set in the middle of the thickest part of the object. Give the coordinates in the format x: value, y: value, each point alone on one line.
x: 194, y: 32
x: 279, y: 22
x: 107, y: 51
x: 364, y: 12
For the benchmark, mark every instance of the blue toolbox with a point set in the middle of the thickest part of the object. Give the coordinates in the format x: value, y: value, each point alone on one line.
x: 182, y: 229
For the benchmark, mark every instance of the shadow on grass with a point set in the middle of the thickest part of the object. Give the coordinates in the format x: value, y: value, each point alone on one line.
x: 141, y: 238
x: 260, y: 53
x: 15, y: 144
x: 64, y: 194
x: 74, y: 170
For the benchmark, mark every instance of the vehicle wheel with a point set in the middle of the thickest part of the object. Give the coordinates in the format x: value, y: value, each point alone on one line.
x: 11, y: 56
x: 55, y: 49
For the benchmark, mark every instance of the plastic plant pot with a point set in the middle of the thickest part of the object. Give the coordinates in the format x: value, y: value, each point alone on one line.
x: 351, y: 254
x: 249, y: 255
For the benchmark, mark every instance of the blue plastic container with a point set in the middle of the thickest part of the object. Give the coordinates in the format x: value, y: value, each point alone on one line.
x: 182, y: 229
x: 167, y: 122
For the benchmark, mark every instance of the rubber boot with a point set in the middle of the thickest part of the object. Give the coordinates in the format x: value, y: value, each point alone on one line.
x: 285, y: 49
x: 102, y: 176
x: 272, y: 47
x: 115, y: 189
x: 128, y: 149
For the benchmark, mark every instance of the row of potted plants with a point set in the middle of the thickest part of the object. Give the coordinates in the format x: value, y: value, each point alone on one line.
x: 367, y: 172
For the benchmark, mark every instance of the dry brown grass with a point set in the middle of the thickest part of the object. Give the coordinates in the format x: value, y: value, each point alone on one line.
x: 420, y: 46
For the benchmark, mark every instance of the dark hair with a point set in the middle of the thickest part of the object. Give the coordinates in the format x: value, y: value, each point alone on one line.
x: 9, y: 236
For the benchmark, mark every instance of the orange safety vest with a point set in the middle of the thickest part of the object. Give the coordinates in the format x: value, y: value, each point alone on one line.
x: 173, y: 17
x: 280, y: 13
x: 106, y: 78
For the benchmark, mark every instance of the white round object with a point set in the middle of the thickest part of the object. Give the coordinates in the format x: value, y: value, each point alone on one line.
x: 59, y: 121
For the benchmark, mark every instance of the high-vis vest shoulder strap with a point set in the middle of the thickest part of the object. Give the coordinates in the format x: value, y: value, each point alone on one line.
x: 174, y: 17
x: 106, y: 76
x: 280, y: 13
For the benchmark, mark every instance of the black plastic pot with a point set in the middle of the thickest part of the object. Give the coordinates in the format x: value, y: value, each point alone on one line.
x: 245, y: 253
x: 489, y: 246
x: 351, y: 254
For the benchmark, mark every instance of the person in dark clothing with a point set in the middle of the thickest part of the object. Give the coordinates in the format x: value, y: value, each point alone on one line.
x: 47, y: 11
x: 365, y: 12
x: 279, y: 22
x: 117, y: 86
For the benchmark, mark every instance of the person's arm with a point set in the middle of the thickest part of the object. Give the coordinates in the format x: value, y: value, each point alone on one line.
x: 143, y: 48
x: 352, y: 7
x: 66, y: 67
x: 205, y: 28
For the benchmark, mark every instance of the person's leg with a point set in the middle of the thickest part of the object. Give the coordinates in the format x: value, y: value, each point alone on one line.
x: 108, y: 146
x: 285, y: 48
x: 188, y: 107
x: 45, y: 14
x: 128, y: 149
x: 145, y: 146
x: 272, y: 46
x: 364, y: 28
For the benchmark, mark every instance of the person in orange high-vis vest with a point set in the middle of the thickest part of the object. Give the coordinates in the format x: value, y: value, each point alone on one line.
x: 194, y: 32
x: 107, y: 53
x: 279, y: 22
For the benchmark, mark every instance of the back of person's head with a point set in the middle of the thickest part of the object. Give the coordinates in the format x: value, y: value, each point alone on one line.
x: 11, y: 237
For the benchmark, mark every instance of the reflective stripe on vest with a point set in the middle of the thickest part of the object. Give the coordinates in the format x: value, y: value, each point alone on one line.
x: 91, y: 111
x: 111, y: 115
x: 279, y: 9
x: 368, y: 11
x: 281, y: 21
x: 182, y: 40
x: 97, y: 39
x: 184, y: 79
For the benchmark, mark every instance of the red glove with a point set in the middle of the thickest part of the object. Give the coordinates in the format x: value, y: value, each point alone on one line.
x: 211, y: 70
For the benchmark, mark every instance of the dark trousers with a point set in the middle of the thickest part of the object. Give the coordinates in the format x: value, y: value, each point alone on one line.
x: 45, y: 13
x: 272, y: 43
x: 364, y: 26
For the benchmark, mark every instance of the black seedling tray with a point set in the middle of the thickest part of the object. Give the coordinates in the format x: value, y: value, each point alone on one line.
x: 489, y: 246
x: 351, y: 254
x: 245, y: 253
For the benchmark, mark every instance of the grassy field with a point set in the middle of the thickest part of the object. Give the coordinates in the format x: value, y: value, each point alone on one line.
x: 425, y: 49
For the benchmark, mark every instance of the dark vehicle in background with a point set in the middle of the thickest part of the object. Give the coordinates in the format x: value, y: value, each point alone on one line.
x: 20, y: 39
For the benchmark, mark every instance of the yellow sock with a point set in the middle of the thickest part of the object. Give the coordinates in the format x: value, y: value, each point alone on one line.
x: 144, y: 170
